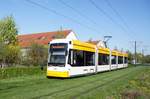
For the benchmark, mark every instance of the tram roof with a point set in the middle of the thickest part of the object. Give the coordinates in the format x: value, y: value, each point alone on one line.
x: 119, y: 53
x: 79, y: 45
x: 103, y: 50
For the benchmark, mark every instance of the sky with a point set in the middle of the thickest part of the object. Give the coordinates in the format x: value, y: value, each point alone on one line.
x: 125, y: 20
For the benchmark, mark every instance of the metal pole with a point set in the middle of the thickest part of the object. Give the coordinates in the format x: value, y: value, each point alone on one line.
x: 135, y: 54
x: 142, y: 56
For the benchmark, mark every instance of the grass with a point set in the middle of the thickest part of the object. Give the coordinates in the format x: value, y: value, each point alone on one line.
x: 11, y: 72
x: 124, y: 83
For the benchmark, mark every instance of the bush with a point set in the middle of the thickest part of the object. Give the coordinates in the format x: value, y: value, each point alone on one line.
x: 12, y: 56
x: 9, y: 55
x: 37, y: 55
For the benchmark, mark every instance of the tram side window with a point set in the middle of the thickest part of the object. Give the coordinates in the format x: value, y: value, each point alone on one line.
x: 78, y: 58
x: 125, y: 60
x: 81, y: 58
x: 120, y: 60
x: 103, y: 59
x: 113, y: 59
x: 90, y: 58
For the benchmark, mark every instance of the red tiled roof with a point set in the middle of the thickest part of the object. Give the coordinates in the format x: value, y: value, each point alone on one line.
x: 40, y: 38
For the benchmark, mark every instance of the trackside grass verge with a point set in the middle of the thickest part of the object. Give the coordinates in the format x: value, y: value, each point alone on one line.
x: 11, y: 72
x: 139, y: 87
x: 108, y: 85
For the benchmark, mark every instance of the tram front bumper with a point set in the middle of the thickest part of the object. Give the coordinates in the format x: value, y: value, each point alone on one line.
x: 51, y: 73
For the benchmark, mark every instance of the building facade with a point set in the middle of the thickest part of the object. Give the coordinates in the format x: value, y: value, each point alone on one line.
x: 25, y: 41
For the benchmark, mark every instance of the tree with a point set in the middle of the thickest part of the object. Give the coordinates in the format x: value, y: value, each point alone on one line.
x: 13, y: 55
x: 147, y: 59
x: 139, y: 57
x: 37, y: 54
x: 8, y: 41
x: 2, y: 54
x: 8, y: 31
x: 130, y: 57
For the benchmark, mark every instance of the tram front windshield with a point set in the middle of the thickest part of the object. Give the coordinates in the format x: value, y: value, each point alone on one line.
x: 57, y: 54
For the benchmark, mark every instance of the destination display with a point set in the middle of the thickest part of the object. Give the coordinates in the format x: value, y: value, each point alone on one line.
x: 58, y: 46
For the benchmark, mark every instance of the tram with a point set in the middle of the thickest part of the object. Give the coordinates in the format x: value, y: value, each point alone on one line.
x: 74, y: 58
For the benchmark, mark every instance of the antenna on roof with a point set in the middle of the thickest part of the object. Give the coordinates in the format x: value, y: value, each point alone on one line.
x: 115, y: 48
x: 90, y: 40
x: 61, y: 29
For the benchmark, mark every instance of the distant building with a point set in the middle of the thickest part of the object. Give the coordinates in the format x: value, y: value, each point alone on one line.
x: 99, y: 43
x: 25, y: 41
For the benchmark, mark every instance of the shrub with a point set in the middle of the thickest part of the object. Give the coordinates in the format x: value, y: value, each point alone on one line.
x: 37, y: 55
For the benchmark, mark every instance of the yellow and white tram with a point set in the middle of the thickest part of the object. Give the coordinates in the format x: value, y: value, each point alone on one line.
x: 74, y: 58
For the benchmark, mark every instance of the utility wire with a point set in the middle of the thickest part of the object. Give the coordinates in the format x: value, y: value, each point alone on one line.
x: 106, y: 14
x: 116, y: 12
x: 77, y: 11
x: 59, y: 14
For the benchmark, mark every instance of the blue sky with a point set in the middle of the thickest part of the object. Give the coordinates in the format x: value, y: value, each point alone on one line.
x: 136, y: 13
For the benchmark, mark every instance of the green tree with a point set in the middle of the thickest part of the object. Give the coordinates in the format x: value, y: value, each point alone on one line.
x: 139, y: 57
x: 146, y: 59
x: 8, y: 41
x: 130, y: 57
x: 8, y: 30
x: 2, y: 54
x: 13, y: 55
x: 37, y: 54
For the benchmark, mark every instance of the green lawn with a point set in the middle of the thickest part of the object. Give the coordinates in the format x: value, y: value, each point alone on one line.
x: 129, y: 82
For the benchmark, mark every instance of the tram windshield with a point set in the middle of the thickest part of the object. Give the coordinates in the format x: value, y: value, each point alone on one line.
x: 57, y: 54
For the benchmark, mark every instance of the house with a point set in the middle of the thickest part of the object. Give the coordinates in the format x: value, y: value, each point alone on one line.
x: 25, y: 41
x: 99, y: 43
